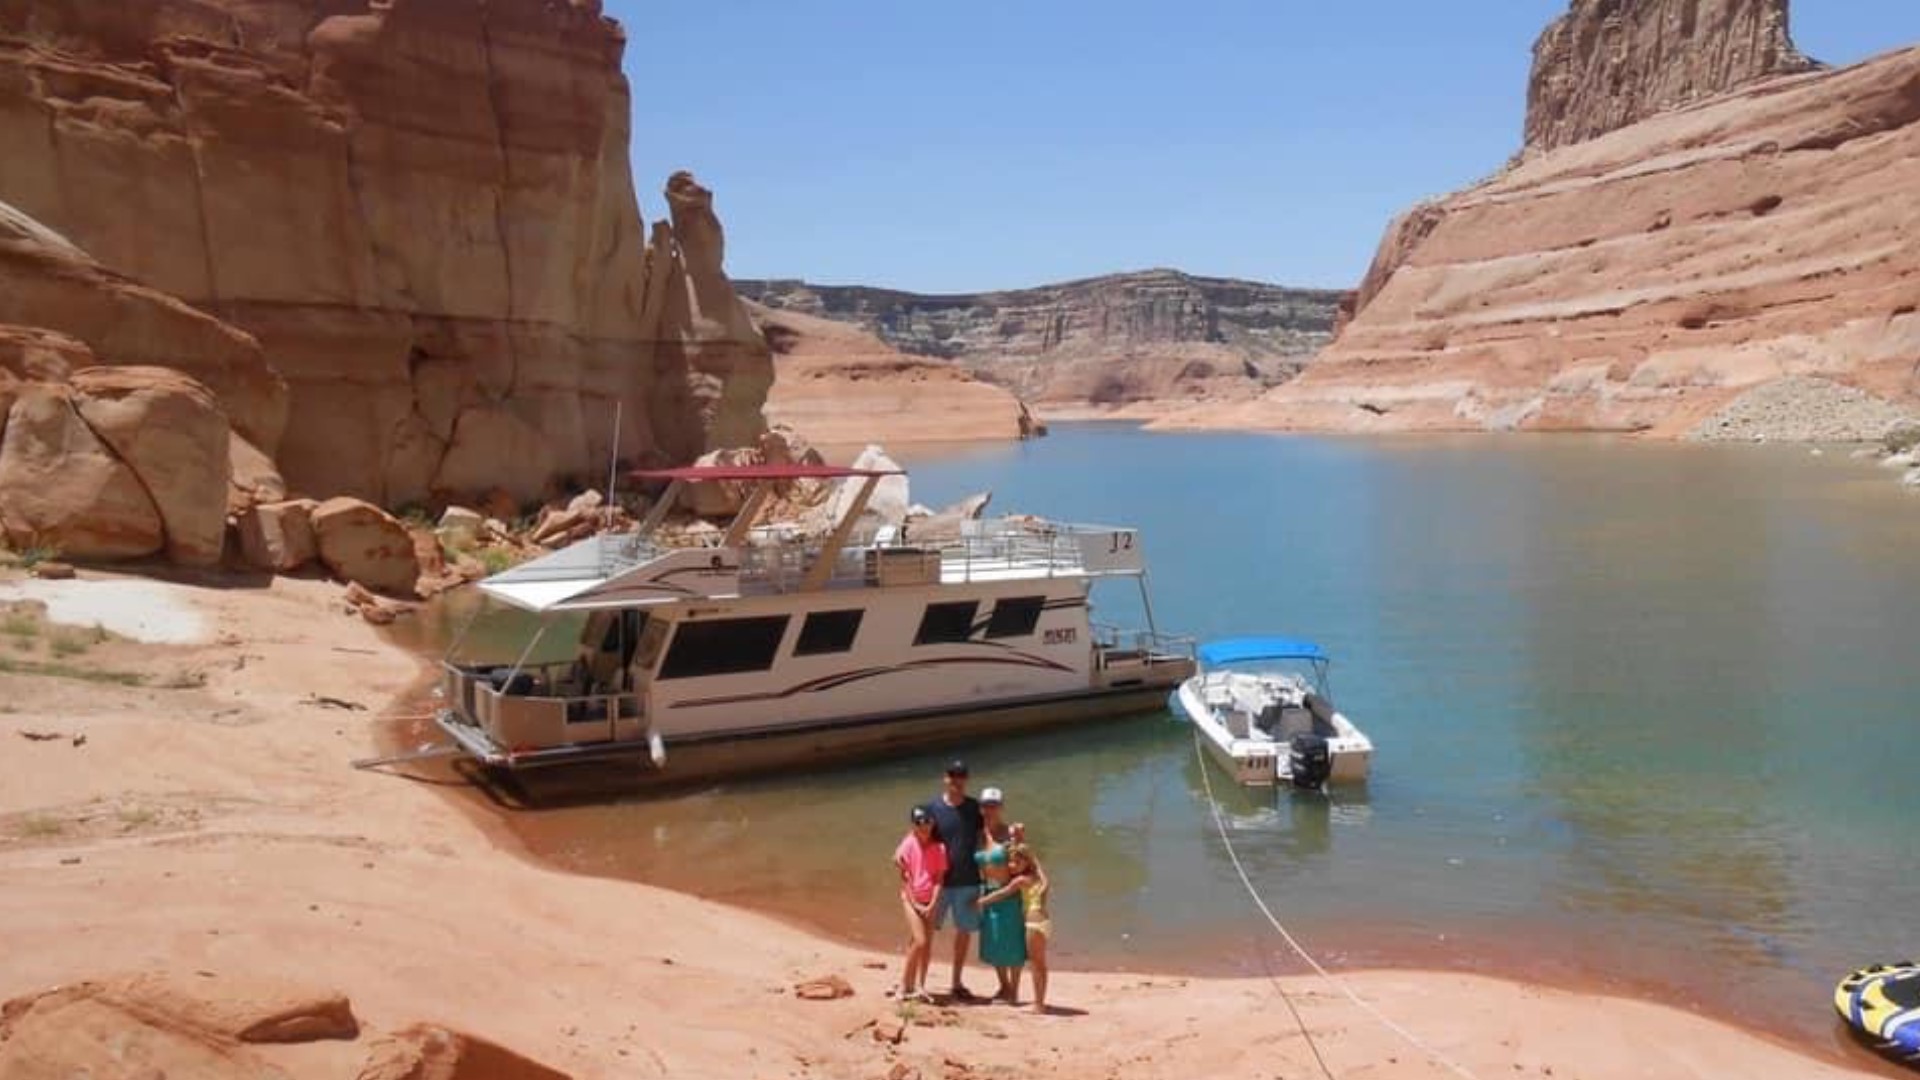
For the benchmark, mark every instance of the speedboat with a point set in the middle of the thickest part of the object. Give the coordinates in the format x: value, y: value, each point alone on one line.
x: 1265, y: 707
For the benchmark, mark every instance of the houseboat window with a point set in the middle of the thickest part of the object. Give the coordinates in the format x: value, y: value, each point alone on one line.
x: 947, y: 622
x: 828, y: 632
x: 1015, y: 616
x: 724, y: 647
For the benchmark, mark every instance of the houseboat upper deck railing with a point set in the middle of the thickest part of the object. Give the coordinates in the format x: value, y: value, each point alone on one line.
x: 654, y: 565
x: 776, y: 560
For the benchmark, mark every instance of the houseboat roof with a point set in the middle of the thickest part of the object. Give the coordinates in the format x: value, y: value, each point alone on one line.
x: 628, y: 570
x: 697, y: 473
x: 1249, y: 649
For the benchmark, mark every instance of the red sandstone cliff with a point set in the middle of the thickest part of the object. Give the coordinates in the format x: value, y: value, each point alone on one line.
x: 1609, y: 63
x: 422, y: 212
x: 1644, y: 278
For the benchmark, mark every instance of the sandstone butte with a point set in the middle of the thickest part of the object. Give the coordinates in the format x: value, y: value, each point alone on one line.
x: 845, y: 387
x: 397, y: 243
x: 1122, y: 344
x: 1751, y: 221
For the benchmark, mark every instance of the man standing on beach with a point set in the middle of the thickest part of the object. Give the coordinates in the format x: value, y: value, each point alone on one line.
x: 956, y: 820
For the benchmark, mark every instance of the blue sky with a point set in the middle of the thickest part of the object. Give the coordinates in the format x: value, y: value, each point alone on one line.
x: 960, y: 147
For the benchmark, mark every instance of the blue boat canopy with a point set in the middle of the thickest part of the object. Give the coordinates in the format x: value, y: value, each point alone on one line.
x: 1240, y: 650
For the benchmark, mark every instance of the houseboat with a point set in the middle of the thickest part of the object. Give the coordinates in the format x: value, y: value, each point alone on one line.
x: 757, y: 649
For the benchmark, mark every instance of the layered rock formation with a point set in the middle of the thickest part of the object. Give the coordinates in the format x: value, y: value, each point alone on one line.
x: 843, y: 386
x: 1153, y: 336
x: 421, y: 209
x: 1642, y: 279
x: 1609, y: 63
x: 218, y: 1026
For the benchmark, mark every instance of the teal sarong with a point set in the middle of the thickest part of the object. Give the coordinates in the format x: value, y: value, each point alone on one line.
x: 1003, y: 931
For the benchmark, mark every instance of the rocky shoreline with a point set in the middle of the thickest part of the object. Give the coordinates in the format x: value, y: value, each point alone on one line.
x: 1805, y: 409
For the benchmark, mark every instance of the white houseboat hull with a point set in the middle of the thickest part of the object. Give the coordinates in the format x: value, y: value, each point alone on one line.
x: 697, y: 758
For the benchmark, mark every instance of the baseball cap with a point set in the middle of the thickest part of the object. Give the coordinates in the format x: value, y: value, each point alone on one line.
x: 956, y: 767
x: 992, y: 795
x: 919, y: 814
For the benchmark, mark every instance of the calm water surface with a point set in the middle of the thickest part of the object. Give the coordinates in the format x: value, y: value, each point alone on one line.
x: 1646, y: 714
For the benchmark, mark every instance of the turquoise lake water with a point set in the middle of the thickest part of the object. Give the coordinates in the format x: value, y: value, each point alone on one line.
x: 1647, y: 717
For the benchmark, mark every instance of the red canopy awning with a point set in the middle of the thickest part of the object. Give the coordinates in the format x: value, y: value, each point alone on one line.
x: 696, y: 473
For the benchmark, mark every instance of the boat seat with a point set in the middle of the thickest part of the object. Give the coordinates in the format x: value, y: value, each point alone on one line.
x: 1237, y: 722
x: 1322, y: 711
x: 1294, y: 720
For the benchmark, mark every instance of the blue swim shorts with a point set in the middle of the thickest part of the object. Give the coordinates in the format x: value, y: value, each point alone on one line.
x: 959, y: 900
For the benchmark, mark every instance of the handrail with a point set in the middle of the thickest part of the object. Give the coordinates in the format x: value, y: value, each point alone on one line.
x: 1110, y: 637
x: 772, y: 556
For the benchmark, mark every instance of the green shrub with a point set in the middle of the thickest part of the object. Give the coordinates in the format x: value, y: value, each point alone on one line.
x: 497, y: 560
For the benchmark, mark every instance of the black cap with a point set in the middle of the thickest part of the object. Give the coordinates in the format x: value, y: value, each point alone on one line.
x: 919, y: 815
x: 956, y: 767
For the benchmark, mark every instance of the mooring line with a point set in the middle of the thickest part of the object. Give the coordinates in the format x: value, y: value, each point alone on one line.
x: 1226, y: 840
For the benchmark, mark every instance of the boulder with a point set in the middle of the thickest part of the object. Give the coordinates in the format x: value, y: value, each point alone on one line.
x: 948, y: 524
x: 170, y: 431
x: 1901, y: 438
x: 720, y: 499
x: 558, y: 527
x: 825, y: 988
x: 62, y: 488
x: 459, y: 526
x: 278, y: 536
x: 253, y: 479
x: 430, y: 1052
x: 890, y: 498
x: 361, y: 543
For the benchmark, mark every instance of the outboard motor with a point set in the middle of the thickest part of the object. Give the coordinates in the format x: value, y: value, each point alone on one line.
x: 1309, y: 761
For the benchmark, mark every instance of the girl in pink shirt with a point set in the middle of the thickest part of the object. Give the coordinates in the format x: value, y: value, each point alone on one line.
x: 922, y: 861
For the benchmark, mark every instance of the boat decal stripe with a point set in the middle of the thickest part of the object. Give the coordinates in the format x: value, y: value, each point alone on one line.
x: 848, y: 723
x: 842, y: 678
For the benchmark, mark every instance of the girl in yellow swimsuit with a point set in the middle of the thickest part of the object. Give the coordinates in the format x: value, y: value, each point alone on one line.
x: 1031, y: 879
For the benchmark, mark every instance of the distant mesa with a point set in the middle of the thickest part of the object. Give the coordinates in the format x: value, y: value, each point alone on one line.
x: 845, y: 388
x: 1148, y: 339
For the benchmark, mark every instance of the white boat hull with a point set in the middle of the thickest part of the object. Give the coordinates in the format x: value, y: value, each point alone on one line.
x: 1255, y: 760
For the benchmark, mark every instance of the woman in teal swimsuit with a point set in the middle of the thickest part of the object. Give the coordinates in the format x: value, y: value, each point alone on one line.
x: 1003, y: 923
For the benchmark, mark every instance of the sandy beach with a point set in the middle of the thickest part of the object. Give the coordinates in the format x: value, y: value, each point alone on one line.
x: 203, y: 820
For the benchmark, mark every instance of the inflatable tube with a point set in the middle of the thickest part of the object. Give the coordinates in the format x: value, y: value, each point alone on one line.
x: 1883, y: 1003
